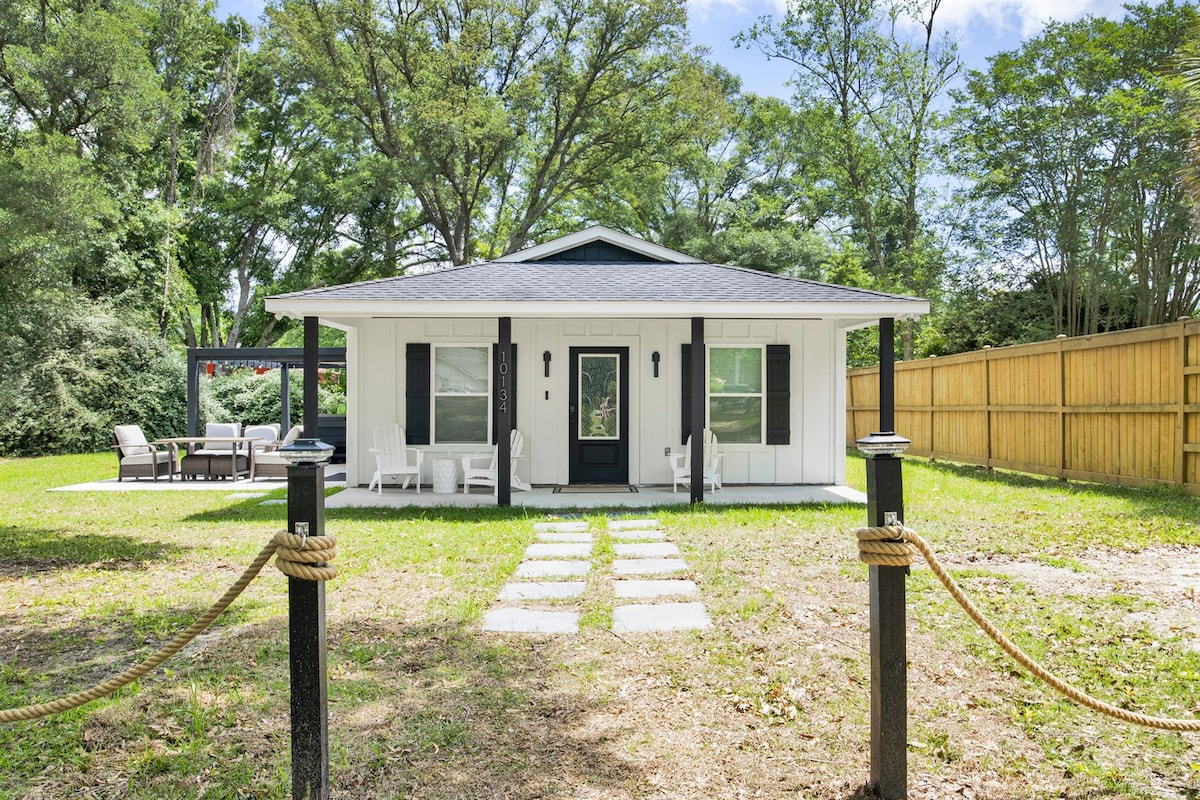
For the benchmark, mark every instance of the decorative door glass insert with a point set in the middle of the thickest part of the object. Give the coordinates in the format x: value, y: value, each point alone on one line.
x: 599, y: 390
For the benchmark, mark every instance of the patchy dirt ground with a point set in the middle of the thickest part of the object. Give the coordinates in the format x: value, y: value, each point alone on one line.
x: 773, y: 702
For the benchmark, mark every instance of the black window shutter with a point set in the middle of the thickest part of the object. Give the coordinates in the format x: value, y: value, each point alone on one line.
x: 779, y: 395
x: 512, y: 392
x: 417, y: 394
x: 685, y: 403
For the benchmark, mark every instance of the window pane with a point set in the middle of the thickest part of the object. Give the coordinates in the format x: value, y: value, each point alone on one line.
x: 736, y: 419
x: 461, y: 370
x: 599, y: 417
x: 460, y: 419
x: 736, y: 370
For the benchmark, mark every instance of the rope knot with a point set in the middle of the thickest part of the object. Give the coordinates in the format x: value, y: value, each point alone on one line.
x: 886, y: 546
x: 305, y: 557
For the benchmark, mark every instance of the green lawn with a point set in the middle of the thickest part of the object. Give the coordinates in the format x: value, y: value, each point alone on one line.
x: 771, y: 702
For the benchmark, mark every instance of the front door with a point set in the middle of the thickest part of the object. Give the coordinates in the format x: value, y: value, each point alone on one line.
x: 599, y: 415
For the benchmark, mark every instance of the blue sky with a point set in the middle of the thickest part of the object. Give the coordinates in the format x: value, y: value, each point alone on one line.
x: 981, y: 27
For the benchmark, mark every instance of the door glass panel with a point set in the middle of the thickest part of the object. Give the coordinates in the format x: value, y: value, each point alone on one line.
x: 599, y: 390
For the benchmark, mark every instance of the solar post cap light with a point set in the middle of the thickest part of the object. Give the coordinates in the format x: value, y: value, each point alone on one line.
x: 884, y: 443
x: 306, y: 451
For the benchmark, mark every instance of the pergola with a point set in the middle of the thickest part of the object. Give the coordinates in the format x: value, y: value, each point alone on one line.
x: 286, y: 358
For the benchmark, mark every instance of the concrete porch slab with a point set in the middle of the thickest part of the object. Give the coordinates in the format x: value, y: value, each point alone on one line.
x: 648, y: 497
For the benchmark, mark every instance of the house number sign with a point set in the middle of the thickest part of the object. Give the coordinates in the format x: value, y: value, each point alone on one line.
x: 502, y: 382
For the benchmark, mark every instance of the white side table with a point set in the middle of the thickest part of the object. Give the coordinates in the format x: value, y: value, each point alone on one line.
x: 445, y: 475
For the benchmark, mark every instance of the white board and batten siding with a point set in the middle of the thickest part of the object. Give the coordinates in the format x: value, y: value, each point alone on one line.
x: 376, y: 353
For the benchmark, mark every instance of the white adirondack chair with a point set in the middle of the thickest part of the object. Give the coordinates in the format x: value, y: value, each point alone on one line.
x: 474, y: 474
x: 394, y: 457
x: 681, y: 463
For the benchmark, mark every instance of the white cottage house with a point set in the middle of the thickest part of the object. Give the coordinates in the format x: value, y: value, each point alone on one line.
x: 588, y: 345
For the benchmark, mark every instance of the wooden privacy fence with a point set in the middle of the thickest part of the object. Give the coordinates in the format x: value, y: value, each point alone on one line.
x: 1118, y: 407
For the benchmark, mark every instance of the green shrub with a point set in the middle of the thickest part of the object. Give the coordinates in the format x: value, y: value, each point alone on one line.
x: 76, y: 369
x: 243, y: 396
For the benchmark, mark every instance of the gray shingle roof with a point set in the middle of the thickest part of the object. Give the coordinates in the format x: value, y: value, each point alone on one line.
x: 573, y: 281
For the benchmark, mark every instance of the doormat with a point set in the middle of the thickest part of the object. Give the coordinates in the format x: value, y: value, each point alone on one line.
x: 596, y: 488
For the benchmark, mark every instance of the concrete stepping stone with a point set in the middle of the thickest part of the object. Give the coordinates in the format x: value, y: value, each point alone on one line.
x: 638, y: 536
x: 565, y: 536
x: 646, y: 550
x: 552, y: 569
x: 524, y: 620
x: 551, y: 590
x: 632, y: 589
x: 560, y: 527
x: 274, y: 501
x: 648, y: 566
x: 245, y: 495
x: 660, y: 617
x: 632, y: 524
x: 559, y: 550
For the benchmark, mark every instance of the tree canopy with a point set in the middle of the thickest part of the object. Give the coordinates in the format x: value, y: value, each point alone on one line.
x: 163, y: 170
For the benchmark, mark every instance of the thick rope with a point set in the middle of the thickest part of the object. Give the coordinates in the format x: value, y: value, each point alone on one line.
x: 875, y: 553
x: 294, y: 556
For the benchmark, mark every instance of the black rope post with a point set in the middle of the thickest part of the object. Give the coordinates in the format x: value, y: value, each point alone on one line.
x: 888, y: 645
x: 306, y: 598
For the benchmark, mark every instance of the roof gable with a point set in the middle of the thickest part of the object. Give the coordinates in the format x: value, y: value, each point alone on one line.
x: 597, y: 251
x: 599, y: 235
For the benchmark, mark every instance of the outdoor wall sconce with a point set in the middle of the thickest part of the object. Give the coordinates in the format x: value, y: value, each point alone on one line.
x: 546, y: 361
x: 655, y: 357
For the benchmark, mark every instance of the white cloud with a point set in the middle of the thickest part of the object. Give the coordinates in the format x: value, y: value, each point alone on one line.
x: 1023, y: 17
x: 751, y: 9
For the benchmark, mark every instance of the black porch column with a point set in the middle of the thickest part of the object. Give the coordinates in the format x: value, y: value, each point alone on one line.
x: 889, y: 676
x: 504, y: 418
x: 312, y: 361
x: 699, y: 393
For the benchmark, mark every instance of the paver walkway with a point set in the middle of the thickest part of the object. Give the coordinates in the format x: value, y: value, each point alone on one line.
x: 540, y: 599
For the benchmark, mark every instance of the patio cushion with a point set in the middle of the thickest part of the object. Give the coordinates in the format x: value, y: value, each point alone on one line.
x: 131, y: 440
x: 267, y: 434
x: 146, y: 458
x: 220, y: 430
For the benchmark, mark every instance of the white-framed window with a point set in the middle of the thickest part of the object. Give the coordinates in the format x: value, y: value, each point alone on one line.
x: 461, y: 394
x: 736, y: 393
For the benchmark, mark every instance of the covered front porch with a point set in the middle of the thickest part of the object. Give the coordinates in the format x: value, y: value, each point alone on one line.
x: 646, y: 497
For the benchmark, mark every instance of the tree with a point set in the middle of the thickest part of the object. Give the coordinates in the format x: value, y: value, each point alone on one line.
x: 493, y: 114
x: 1072, y: 147
x: 877, y: 86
